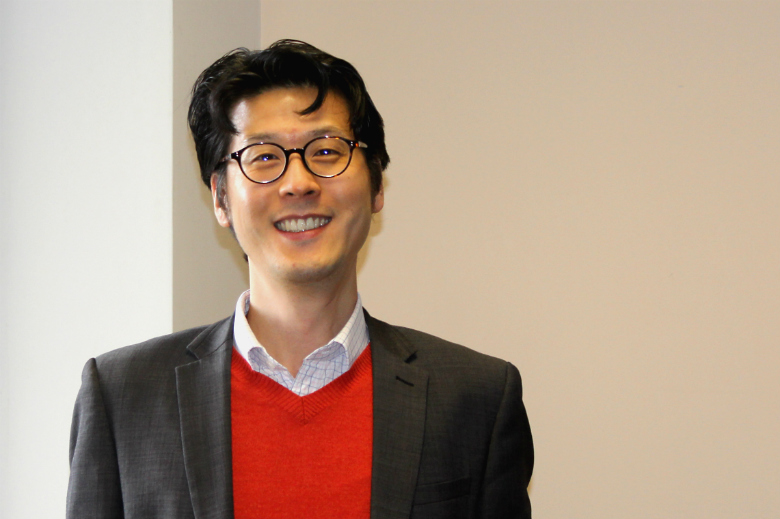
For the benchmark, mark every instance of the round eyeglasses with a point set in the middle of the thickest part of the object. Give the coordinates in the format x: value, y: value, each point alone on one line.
x: 326, y: 157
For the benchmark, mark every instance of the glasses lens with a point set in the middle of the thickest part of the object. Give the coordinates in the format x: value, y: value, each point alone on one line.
x: 327, y: 156
x: 263, y: 162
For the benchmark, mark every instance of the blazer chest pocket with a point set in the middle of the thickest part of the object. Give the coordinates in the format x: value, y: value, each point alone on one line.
x: 448, y: 499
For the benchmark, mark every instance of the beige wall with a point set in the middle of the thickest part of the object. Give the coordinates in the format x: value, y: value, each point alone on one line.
x: 589, y: 189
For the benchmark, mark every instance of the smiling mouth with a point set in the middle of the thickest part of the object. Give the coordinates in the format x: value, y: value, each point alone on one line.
x: 302, y: 224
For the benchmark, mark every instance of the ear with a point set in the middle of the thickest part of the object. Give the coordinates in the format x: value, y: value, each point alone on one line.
x: 379, y: 200
x: 220, y: 210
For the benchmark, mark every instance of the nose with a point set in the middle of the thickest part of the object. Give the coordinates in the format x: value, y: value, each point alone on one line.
x: 297, y: 180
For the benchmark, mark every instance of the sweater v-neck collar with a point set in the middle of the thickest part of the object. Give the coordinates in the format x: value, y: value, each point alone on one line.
x: 306, y: 407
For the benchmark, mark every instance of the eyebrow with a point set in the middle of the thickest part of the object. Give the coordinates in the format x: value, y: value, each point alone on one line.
x: 313, y: 134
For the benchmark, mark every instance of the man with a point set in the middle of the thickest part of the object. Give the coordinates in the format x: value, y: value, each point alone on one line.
x: 300, y: 404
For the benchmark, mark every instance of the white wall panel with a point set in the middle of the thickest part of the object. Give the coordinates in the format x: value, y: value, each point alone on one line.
x: 86, y: 217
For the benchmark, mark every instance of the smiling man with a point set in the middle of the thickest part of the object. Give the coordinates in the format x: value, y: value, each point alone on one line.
x: 300, y: 404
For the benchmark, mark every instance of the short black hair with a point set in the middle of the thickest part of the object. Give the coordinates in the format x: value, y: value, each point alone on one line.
x: 242, y: 73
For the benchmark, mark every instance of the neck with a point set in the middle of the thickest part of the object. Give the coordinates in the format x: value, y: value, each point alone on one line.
x: 293, y: 320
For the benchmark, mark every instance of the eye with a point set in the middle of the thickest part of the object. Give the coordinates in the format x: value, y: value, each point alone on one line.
x: 324, y: 152
x: 262, y: 156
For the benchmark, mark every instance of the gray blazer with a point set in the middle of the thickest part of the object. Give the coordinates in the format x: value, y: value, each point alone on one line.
x: 151, y: 430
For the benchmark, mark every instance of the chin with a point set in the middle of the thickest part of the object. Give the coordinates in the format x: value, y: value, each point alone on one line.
x: 309, y: 274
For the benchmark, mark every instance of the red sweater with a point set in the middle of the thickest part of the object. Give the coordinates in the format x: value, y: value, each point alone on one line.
x: 302, y: 457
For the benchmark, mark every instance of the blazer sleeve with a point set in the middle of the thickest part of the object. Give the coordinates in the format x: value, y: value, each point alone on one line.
x: 93, y: 489
x: 510, y: 457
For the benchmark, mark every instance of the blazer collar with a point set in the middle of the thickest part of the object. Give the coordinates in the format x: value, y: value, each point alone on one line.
x: 400, y: 399
x: 212, y: 338
x: 203, y: 388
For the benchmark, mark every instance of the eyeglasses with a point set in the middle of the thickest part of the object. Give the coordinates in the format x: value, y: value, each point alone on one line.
x: 326, y: 157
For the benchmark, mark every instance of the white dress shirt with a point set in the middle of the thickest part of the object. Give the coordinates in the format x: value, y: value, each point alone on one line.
x: 319, y: 368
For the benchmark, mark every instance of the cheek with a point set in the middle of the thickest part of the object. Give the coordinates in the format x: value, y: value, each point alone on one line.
x: 240, y: 207
x: 248, y: 216
x: 361, y: 214
x: 356, y: 191
x: 357, y: 200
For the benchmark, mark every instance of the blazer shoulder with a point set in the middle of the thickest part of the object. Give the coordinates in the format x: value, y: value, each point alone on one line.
x: 437, y: 355
x: 167, y: 350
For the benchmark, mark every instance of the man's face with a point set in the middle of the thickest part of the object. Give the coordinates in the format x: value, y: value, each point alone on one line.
x: 342, y: 205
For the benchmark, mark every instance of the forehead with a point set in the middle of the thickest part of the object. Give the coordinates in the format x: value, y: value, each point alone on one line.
x: 276, y: 114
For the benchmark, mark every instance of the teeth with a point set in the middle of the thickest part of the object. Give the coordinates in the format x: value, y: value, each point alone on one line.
x: 300, y: 225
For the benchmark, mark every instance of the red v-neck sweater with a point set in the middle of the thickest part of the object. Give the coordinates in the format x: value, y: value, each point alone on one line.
x: 302, y: 457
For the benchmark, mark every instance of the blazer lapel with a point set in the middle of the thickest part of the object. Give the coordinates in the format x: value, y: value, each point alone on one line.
x: 203, y: 388
x: 400, y: 395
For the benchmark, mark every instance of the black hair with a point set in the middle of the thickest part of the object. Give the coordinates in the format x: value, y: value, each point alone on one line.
x: 242, y: 73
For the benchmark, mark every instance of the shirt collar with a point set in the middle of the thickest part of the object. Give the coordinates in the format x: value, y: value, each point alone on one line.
x: 352, y: 338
